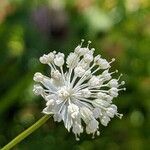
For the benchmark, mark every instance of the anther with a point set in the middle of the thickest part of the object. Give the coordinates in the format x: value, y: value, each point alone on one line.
x: 82, y: 40
x: 93, y: 136
x: 122, y: 89
x: 116, y: 71
x: 77, y: 139
x: 123, y: 82
x: 93, y: 49
x: 97, y: 133
x: 112, y: 60
x: 89, y: 42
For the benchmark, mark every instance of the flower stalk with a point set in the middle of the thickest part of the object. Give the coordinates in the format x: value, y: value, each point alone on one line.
x: 26, y: 133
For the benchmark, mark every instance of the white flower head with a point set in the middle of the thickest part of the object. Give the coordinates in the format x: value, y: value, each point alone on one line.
x: 83, y: 93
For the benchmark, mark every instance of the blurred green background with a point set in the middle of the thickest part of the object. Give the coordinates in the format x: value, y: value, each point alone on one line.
x: 117, y: 28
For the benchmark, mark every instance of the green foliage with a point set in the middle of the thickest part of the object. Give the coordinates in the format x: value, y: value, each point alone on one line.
x: 116, y: 28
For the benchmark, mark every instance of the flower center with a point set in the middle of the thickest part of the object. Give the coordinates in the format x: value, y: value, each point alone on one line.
x: 64, y: 93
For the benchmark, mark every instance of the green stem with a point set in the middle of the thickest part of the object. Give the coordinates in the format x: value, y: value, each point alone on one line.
x: 25, y: 133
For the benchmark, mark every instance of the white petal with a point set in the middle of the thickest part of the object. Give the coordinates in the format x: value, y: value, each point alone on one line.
x: 86, y: 114
x: 92, y: 126
x: 100, y: 102
x: 47, y: 110
x: 113, y: 83
x: 72, y: 60
x: 86, y: 93
x: 38, y: 89
x: 57, y: 117
x: 77, y: 129
x: 73, y: 110
x: 105, y: 120
x: 97, y: 112
x: 79, y: 71
x: 59, y: 59
x: 113, y: 92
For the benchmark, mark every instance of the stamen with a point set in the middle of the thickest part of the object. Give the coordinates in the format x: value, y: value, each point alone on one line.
x: 54, y: 52
x: 105, y: 91
x: 119, y: 115
x: 81, y: 87
x: 119, y: 77
x: 123, y: 83
x: 97, y: 133
x: 90, y: 102
x: 85, y: 104
x: 43, y: 94
x: 122, y: 89
x: 77, y: 139
x: 112, y: 60
x: 93, y: 135
x: 89, y: 42
x: 84, y: 77
x: 116, y: 71
x: 73, y: 81
x: 50, y: 92
x: 82, y: 40
x: 51, y: 66
x: 96, y: 70
x: 62, y: 105
x: 62, y: 72
x: 93, y: 49
x: 69, y: 75
x: 54, y: 66
x: 85, y: 100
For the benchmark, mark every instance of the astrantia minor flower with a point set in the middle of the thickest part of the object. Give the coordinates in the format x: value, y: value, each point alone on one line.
x: 84, y: 92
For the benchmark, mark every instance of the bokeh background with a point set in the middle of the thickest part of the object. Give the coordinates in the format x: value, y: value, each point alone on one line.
x: 117, y: 28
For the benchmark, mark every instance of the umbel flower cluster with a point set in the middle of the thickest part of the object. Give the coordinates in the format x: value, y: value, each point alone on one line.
x: 81, y: 95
